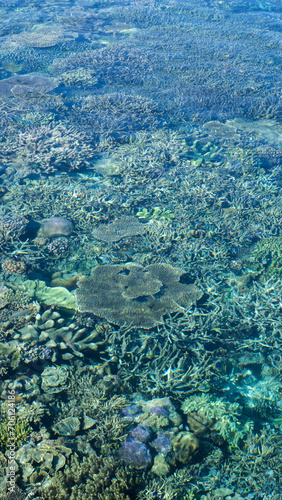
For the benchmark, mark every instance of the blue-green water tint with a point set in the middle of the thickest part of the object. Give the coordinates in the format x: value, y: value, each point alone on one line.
x: 155, y: 128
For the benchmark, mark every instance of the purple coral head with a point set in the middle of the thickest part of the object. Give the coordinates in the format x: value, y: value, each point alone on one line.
x: 135, y: 454
x: 162, y: 444
x: 158, y: 410
x: 131, y: 411
x: 141, y: 433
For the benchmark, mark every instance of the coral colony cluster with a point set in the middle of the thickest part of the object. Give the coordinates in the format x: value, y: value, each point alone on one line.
x: 141, y: 262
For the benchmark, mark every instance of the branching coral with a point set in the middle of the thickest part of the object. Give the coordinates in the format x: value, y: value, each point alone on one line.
x: 21, y: 431
x: 219, y: 415
x: 116, y: 114
x: 48, y: 148
x: 94, y: 477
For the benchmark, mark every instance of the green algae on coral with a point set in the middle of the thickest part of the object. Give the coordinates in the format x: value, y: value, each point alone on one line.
x: 21, y: 432
x: 156, y: 213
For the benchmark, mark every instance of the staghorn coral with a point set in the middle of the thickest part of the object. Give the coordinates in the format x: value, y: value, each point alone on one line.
x: 96, y: 477
x: 47, y: 148
x: 32, y: 412
x: 265, y: 258
x: 79, y: 77
x: 260, y: 458
x: 130, y: 294
x: 114, y: 115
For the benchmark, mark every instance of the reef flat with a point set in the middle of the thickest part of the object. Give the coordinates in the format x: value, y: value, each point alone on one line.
x: 140, y: 250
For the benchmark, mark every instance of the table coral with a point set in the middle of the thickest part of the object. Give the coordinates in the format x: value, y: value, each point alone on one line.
x: 129, y: 294
x: 119, y: 229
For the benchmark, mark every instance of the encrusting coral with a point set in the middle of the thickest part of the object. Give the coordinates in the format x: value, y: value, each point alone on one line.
x: 131, y: 294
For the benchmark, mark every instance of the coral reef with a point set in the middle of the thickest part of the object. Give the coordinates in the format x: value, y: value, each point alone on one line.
x: 156, y: 214
x: 209, y: 413
x: 52, y: 335
x: 119, y: 229
x: 156, y: 419
x: 21, y: 429
x: 58, y: 246
x: 12, y: 225
x: 135, y: 453
x: 10, y: 357
x: 46, y: 149
x: 54, y: 379
x: 57, y: 226
x: 24, y: 86
x: 11, y: 266
x: 151, y: 150
x: 48, y: 453
x: 95, y: 477
x: 132, y: 295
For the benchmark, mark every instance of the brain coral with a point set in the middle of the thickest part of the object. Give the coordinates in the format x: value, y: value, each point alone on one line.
x: 130, y: 294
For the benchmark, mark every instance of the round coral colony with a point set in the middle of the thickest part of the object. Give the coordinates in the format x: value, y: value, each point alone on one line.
x: 57, y: 226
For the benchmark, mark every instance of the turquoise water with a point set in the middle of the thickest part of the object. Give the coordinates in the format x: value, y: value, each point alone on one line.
x: 140, y: 237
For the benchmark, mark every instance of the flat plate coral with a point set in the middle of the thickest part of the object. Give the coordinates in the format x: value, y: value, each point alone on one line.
x: 26, y: 85
x: 121, y: 228
x: 133, y: 295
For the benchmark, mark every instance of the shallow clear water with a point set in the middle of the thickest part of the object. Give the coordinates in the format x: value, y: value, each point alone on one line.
x: 140, y: 237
